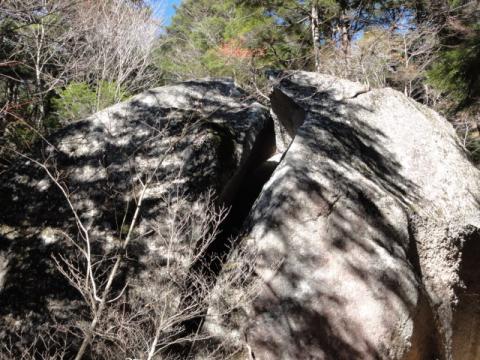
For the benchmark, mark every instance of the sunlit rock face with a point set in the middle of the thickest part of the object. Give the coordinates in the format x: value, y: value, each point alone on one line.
x: 192, y: 136
x: 360, y: 230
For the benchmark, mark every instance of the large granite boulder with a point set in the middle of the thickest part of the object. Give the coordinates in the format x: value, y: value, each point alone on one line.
x: 367, y: 232
x: 193, y: 136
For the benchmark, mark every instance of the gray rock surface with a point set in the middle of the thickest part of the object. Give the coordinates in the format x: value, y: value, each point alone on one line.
x: 366, y: 230
x: 366, y: 235
x: 100, y: 159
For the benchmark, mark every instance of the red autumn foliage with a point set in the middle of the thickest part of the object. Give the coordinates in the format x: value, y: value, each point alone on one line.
x: 236, y: 49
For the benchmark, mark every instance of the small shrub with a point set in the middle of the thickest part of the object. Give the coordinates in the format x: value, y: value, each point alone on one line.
x: 79, y: 99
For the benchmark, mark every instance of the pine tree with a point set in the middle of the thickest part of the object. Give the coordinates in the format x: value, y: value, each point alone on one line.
x: 272, y: 33
x: 457, y: 71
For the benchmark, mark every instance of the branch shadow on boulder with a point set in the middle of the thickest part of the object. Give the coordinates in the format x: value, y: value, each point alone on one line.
x: 339, y: 167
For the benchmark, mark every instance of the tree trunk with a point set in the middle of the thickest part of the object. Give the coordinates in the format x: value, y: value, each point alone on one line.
x: 345, y: 39
x: 40, y: 108
x: 39, y: 44
x: 315, y: 37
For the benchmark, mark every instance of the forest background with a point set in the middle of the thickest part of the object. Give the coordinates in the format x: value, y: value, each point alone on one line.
x: 63, y: 60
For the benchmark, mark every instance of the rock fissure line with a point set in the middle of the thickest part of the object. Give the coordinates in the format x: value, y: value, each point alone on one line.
x: 239, y: 195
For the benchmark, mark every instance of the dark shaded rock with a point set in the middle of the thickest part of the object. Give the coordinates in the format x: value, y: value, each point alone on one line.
x: 100, y: 160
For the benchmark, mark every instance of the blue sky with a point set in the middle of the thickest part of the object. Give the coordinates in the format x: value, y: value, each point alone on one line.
x: 164, y: 8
